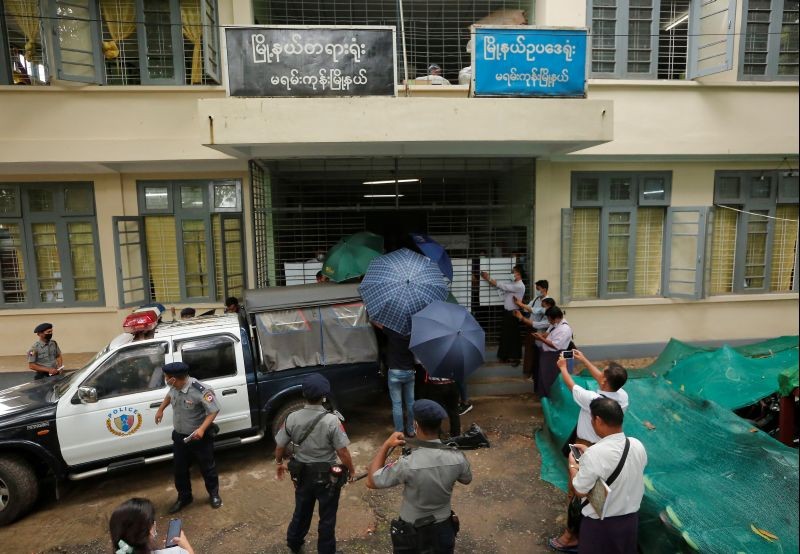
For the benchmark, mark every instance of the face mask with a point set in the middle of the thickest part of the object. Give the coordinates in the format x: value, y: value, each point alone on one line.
x: 47, y: 337
x: 538, y: 293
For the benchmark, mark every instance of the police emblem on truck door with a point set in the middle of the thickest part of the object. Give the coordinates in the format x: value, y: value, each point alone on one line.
x: 123, y: 421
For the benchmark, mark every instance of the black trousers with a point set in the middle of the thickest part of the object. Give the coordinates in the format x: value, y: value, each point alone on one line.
x: 439, y: 538
x: 447, y: 396
x: 203, y: 452
x: 510, y: 347
x: 307, y: 493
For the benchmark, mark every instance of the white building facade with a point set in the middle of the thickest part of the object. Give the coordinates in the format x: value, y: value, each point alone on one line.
x: 664, y: 204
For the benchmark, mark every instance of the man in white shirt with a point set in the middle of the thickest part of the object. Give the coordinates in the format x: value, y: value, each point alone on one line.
x: 510, y: 347
x: 611, y: 382
x: 620, y: 462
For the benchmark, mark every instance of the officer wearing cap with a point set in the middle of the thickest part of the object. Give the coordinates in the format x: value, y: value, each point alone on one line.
x: 194, y: 407
x: 44, y: 357
x: 427, y: 522
x: 318, y: 437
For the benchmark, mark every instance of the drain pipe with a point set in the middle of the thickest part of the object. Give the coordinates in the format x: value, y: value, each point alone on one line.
x: 403, y: 39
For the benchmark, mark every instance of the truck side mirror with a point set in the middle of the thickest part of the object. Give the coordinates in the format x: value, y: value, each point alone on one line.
x: 87, y: 395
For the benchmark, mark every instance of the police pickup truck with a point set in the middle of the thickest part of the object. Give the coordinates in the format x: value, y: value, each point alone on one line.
x: 101, y: 418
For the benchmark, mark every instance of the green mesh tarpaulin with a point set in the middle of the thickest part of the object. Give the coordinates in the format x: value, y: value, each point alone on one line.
x: 726, y: 377
x: 710, y: 480
x: 675, y: 351
x: 788, y: 380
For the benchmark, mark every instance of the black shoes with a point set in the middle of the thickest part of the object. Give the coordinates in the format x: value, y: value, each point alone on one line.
x: 216, y: 501
x: 464, y: 408
x: 180, y: 504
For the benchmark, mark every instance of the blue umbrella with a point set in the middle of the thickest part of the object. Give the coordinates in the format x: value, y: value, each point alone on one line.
x: 447, y: 340
x: 435, y: 252
x: 398, y: 285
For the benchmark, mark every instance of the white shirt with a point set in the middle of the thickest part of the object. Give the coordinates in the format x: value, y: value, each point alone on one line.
x: 560, y: 335
x: 583, y: 398
x: 538, y: 320
x: 510, y: 290
x: 599, y: 462
x: 172, y: 550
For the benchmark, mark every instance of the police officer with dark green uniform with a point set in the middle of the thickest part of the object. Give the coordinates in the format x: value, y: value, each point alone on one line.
x: 318, y: 437
x: 194, y: 407
x: 427, y: 523
x: 44, y: 357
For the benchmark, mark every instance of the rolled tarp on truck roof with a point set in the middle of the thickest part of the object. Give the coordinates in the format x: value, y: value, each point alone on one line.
x: 300, y: 296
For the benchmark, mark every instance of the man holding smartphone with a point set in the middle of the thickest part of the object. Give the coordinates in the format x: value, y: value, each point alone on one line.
x: 610, y: 384
x: 194, y: 407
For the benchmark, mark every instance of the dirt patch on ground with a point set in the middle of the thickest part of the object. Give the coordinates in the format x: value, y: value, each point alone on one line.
x: 507, y: 508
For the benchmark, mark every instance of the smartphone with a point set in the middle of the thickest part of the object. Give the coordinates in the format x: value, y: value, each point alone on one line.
x: 188, y: 439
x: 576, y: 452
x: 567, y: 354
x: 173, y: 532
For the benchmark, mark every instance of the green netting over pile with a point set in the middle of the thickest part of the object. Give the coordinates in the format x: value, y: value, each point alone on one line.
x: 708, y: 478
x: 726, y: 377
x: 675, y: 351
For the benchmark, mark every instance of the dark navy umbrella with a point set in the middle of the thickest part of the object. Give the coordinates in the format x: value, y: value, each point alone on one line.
x: 398, y: 285
x: 435, y: 252
x: 447, y: 340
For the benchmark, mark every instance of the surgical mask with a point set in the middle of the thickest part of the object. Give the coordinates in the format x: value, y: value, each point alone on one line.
x: 539, y: 293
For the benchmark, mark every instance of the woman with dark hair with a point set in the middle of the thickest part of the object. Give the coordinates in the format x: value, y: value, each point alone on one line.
x: 133, y: 530
x: 510, y: 347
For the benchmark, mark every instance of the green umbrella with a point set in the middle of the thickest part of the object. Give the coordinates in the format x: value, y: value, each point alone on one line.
x: 350, y: 256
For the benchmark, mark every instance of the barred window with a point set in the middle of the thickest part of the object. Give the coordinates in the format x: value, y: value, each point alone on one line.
x: 771, y: 43
x: 113, y: 42
x: 616, y: 234
x: 186, y: 246
x: 49, y: 253
x: 755, y: 232
x: 437, y: 31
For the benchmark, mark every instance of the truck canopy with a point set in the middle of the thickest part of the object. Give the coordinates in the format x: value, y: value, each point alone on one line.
x: 311, y: 325
x: 300, y: 296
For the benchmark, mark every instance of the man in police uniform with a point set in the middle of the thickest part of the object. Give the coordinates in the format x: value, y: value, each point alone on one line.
x: 44, y: 357
x: 318, y: 437
x: 194, y: 407
x: 427, y: 523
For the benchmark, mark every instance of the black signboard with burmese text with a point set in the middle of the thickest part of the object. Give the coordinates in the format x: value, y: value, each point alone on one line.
x: 303, y: 61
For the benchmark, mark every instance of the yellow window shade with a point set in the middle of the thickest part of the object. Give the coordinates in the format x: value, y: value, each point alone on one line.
x: 216, y: 231
x: 784, y: 247
x: 649, y: 248
x: 234, y: 265
x: 162, y: 258
x: 84, y: 269
x: 194, y: 258
x: 755, y: 260
x: 48, y: 264
x: 723, y: 251
x: 585, y: 252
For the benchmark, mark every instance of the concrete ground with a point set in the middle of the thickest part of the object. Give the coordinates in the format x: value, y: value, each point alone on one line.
x: 507, y: 508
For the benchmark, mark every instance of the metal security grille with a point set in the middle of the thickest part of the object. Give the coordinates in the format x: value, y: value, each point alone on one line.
x: 479, y: 209
x: 437, y: 31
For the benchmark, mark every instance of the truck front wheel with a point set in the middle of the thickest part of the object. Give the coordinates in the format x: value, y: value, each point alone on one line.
x: 284, y: 411
x: 18, y: 488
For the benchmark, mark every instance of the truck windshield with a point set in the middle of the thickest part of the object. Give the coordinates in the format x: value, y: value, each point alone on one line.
x: 62, y: 386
